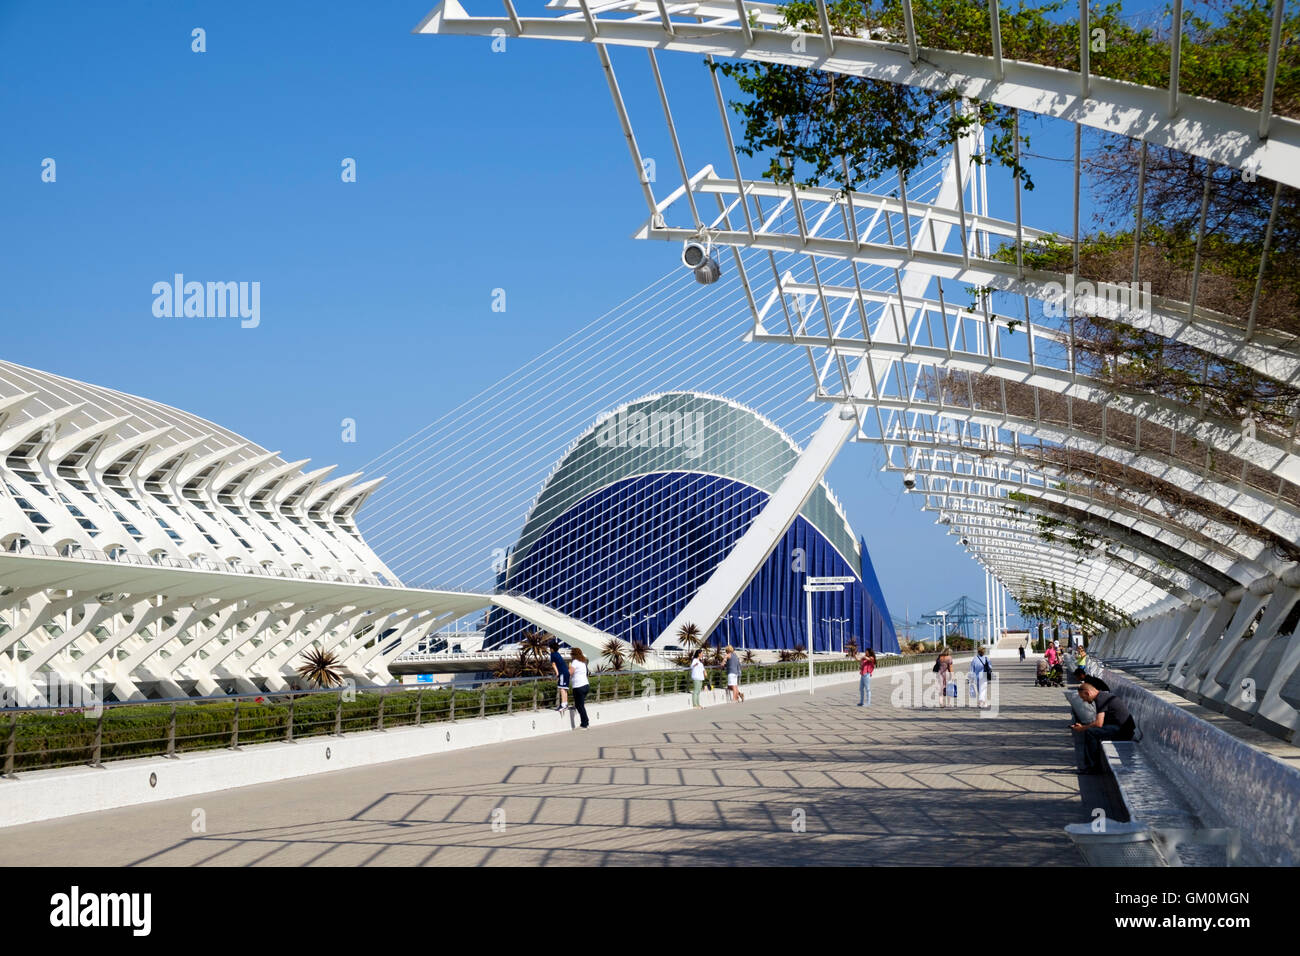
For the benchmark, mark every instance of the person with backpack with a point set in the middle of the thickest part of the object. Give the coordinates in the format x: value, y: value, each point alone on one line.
x: 867, y: 668
x: 981, y: 672
x: 580, y: 683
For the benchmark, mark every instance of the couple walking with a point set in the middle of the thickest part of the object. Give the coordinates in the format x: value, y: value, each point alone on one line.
x: 945, y: 678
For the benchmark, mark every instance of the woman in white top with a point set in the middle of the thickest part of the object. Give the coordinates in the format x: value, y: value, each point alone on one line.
x: 697, y: 680
x: 579, y: 683
x: 980, y: 671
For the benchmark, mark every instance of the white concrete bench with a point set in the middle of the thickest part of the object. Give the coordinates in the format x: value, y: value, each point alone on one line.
x: 1162, y: 829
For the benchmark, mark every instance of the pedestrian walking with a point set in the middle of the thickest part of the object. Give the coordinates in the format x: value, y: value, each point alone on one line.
x: 561, y: 669
x: 697, y: 679
x: 733, y: 676
x: 580, y: 683
x: 865, y: 670
x: 981, y: 672
x: 944, y: 678
x: 1022, y: 649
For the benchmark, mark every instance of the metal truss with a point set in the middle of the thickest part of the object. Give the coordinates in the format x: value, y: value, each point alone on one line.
x: 865, y: 294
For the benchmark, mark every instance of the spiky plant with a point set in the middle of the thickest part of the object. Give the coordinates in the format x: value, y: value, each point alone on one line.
x: 534, y: 646
x: 638, y: 653
x: 613, y: 652
x: 320, y: 668
x: 504, y: 669
x: 850, y: 648
x: 689, y: 636
x: 798, y: 653
x: 748, y: 657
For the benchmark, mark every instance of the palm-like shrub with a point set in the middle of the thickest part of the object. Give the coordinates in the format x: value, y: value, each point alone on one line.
x: 613, y: 652
x: 689, y: 636
x: 534, y: 652
x: 748, y: 657
x: 320, y: 668
x: 504, y: 669
x: 850, y: 648
x: 799, y: 653
x: 638, y: 653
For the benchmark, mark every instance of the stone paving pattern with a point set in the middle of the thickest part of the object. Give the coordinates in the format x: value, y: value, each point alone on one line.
x: 891, y: 785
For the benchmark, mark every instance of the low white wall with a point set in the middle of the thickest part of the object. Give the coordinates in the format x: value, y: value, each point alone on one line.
x: 49, y: 794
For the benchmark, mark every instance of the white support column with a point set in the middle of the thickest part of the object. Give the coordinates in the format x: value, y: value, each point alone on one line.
x: 988, y: 605
x: 1002, y: 596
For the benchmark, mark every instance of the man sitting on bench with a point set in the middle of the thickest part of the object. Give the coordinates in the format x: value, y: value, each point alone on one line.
x: 1113, y: 722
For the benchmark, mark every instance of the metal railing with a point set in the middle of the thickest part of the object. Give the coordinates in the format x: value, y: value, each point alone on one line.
x: 44, y: 738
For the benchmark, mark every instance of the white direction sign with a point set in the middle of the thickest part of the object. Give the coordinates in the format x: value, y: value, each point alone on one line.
x: 823, y: 587
x: 842, y: 579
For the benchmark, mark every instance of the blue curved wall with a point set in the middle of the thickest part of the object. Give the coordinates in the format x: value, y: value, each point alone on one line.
x: 646, y: 544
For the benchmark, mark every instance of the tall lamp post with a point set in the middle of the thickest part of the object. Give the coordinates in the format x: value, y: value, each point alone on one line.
x: 943, y: 625
x: 742, y: 618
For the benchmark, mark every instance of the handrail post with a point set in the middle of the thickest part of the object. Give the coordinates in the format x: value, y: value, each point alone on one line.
x: 451, y: 714
x: 510, y: 698
x: 534, y: 695
x: 96, y: 758
x: 234, y: 729
x: 419, y: 706
x: 288, y: 733
x: 482, y: 701
x: 171, y: 733
x: 338, y: 717
x: 382, y: 697
x: 10, y: 744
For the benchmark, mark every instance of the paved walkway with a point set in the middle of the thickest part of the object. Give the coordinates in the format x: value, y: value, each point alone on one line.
x: 724, y: 786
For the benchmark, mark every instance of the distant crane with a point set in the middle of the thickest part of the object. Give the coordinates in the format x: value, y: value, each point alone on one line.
x: 957, y: 617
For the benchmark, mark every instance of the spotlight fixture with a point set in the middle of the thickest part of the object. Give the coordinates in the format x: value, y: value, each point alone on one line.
x: 909, y: 480
x: 695, y: 256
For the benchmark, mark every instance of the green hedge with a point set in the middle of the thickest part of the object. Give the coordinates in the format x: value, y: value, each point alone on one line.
x: 46, y: 739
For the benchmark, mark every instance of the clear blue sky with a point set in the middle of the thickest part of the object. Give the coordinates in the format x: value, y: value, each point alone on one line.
x: 375, y: 295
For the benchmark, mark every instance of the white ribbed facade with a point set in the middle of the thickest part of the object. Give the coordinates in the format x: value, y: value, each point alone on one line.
x: 157, y: 554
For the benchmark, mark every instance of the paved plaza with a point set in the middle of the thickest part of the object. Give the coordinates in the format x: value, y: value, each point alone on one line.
x: 728, y: 785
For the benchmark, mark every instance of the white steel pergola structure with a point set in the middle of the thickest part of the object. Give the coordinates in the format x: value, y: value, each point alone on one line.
x: 990, y: 415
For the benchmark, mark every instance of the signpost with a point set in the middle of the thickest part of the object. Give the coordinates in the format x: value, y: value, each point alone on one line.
x: 815, y: 585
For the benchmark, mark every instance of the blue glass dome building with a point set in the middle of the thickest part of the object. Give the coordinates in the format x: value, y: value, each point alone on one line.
x: 643, y: 506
